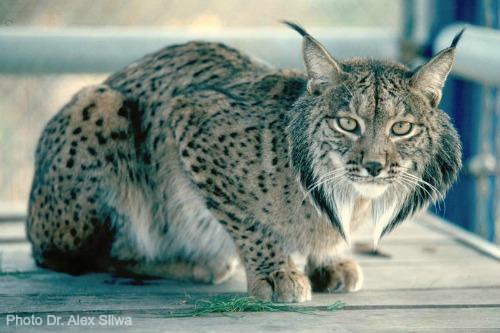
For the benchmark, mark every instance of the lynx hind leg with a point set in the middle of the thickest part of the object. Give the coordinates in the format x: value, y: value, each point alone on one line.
x: 69, y: 223
x: 188, y: 242
x: 335, y: 275
x: 183, y: 270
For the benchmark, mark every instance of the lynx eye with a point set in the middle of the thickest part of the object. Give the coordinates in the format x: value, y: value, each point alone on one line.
x: 401, y: 128
x: 347, y: 124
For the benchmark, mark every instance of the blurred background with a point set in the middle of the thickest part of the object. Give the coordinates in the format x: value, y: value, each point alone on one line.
x: 49, y: 49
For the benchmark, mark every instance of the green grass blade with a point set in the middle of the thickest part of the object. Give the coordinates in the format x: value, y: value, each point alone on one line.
x: 231, y: 305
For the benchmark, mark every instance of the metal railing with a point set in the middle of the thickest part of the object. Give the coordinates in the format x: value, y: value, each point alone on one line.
x: 478, y: 54
x: 97, y: 50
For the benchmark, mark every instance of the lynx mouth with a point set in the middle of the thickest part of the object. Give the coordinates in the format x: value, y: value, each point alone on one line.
x: 370, y: 187
x: 370, y: 180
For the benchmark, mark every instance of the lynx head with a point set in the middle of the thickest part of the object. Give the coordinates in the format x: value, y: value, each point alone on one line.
x: 371, y: 129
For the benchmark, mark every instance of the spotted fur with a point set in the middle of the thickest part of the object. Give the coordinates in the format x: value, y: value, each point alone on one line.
x: 196, y: 155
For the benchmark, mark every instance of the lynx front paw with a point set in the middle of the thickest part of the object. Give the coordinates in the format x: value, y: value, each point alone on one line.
x: 342, y: 276
x: 284, y: 286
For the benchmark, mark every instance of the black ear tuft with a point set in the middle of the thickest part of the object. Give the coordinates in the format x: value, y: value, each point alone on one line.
x: 322, y: 69
x: 457, y: 37
x: 296, y: 27
x: 430, y: 77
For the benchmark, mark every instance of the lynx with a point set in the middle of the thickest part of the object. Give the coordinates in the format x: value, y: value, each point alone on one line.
x: 197, y: 157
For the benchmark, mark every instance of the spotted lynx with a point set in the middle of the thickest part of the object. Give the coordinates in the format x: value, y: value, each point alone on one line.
x: 197, y: 156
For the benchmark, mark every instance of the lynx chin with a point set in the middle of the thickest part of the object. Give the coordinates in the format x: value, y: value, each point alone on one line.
x: 196, y: 157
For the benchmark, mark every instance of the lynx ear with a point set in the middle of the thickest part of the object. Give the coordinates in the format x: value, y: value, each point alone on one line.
x: 321, y: 68
x: 430, y: 77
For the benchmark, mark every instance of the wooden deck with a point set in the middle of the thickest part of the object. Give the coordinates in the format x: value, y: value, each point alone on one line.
x: 434, y: 278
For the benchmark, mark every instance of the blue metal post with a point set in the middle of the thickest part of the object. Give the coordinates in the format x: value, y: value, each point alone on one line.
x: 466, y: 204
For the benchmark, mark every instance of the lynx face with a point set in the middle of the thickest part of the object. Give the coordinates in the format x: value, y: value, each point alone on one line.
x: 357, y: 135
x: 371, y: 129
x: 374, y: 130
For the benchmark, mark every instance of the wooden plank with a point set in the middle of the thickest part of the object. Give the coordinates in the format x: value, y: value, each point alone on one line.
x: 429, y: 276
x: 411, y: 255
x: 395, y: 320
x: 438, y: 225
x: 430, y: 283
x: 410, y: 230
x: 377, y: 277
x: 17, y: 260
x: 418, y: 252
x: 172, y: 300
x: 17, y: 257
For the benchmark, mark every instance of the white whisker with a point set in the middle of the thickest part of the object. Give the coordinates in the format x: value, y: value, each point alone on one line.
x: 424, y: 182
x: 322, y: 182
x: 325, y: 179
x: 434, y: 194
x: 419, y: 180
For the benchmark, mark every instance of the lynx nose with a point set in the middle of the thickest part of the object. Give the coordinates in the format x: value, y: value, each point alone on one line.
x: 373, y: 167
